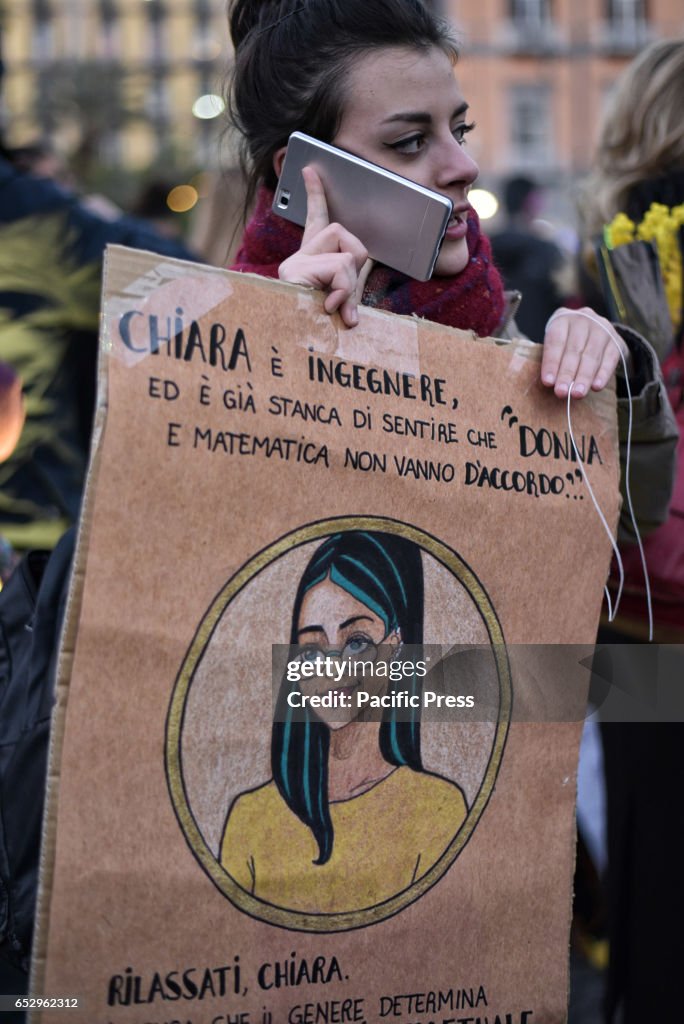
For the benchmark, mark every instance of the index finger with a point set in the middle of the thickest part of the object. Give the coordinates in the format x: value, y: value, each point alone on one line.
x: 316, y: 206
x: 555, y: 338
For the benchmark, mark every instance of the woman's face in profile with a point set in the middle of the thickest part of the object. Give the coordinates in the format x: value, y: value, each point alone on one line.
x: 332, y: 623
x: 404, y: 111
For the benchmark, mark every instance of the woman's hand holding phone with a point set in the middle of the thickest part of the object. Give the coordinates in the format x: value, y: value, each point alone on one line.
x: 578, y: 345
x: 330, y: 257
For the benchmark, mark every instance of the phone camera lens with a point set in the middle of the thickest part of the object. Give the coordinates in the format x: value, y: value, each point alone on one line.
x: 284, y: 199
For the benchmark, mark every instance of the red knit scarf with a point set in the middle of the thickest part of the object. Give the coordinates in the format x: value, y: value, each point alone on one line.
x: 472, y: 300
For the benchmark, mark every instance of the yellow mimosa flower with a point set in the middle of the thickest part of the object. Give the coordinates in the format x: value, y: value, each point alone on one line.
x: 660, y: 225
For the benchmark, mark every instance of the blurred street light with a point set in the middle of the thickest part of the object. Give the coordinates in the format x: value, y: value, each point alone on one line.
x: 484, y: 203
x: 208, y: 106
x: 182, y: 198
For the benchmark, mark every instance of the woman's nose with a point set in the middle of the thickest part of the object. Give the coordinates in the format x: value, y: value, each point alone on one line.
x: 456, y: 166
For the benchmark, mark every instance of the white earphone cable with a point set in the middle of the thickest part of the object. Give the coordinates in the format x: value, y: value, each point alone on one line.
x: 612, y: 611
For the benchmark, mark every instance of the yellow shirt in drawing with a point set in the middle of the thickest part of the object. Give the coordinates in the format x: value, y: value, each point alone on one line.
x: 385, y: 839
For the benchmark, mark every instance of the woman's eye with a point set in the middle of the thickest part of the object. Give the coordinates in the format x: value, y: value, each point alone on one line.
x: 357, y: 645
x: 461, y: 130
x: 409, y: 146
x: 311, y: 654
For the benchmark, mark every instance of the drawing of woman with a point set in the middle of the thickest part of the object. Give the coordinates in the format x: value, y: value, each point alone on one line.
x: 350, y: 817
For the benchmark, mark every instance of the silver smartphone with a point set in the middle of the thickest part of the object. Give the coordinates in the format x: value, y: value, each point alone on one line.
x: 400, y: 223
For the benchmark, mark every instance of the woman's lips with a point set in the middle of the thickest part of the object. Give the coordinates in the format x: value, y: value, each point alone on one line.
x: 457, y: 227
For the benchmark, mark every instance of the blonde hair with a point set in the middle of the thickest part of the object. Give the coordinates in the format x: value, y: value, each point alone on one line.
x: 641, y: 134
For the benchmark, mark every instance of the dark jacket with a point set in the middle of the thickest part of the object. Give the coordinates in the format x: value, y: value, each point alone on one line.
x: 51, y: 251
x: 528, y: 264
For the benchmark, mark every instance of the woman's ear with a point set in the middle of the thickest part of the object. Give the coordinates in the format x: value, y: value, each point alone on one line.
x: 394, y: 639
x: 278, y: 158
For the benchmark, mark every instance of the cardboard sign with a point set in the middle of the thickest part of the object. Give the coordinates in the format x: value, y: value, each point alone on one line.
x: 263, y: 476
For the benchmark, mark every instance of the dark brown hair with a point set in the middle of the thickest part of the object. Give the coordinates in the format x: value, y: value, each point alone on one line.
x: 292, y: 59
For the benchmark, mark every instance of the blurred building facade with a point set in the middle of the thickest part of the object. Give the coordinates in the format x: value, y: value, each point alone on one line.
x: 118, y: 78
x: 537, y: 74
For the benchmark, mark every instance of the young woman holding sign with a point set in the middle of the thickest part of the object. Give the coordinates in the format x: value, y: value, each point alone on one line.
x: 376, y: 77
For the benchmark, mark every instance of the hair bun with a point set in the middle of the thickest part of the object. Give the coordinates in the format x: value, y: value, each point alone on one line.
x: 245, y: 15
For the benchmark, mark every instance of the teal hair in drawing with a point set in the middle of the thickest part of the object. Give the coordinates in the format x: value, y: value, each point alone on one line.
x: 384, y: 572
